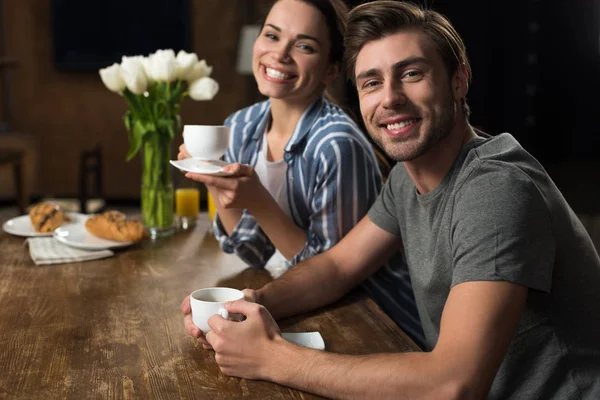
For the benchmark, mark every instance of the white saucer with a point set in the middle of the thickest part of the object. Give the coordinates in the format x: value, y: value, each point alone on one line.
x: 75, y: 235
x: 206, y: 167
x: 21, y: 226
x: 312, y: 340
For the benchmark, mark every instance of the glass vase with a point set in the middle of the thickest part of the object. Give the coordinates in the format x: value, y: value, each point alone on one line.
x: 157, y: 186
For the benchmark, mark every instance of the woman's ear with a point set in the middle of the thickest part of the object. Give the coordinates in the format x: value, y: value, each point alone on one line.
x: 332, y: 72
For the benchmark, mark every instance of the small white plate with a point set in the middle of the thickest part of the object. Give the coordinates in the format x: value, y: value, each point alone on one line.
x: 21, y: 226
x: 206, y: 167
x: 312, y: 340
x: 75, y: 235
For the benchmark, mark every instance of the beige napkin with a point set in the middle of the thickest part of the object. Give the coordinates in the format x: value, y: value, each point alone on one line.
x: 47, y: 250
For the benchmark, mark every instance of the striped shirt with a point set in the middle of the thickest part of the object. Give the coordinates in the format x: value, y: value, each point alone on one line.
x: 333, y: 178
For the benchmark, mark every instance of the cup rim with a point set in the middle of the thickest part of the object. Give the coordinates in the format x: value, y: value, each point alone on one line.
x: 219, y: 288
x: 206, y: 126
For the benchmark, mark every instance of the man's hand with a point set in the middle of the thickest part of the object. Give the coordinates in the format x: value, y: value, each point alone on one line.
x: 190, y: 328
x: 243, y: 349
x: 193, y: 330
x: 250, y: 295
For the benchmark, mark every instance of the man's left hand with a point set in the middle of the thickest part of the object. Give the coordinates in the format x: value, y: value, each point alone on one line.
x: 243, y: 349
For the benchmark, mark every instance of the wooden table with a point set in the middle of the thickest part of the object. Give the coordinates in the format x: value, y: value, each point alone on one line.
x: 112, y: 328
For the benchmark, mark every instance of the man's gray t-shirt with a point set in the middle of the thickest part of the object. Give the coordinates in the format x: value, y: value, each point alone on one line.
x: 497, y: 216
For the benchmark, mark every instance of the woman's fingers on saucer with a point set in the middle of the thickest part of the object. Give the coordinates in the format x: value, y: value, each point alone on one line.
x: 218, y: 182
x: 198, y: 177
x: 238, y: 169
x: 232, y: 168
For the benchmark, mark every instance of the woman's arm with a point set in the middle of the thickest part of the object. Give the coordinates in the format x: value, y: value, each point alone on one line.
x: 229, y: 217
x: 348, y: 182
x: 244, y: 191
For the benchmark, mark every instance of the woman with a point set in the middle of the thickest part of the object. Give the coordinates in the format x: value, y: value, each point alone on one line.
x: 304, y: 174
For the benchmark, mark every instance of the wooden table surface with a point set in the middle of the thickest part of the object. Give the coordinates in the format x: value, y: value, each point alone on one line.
x: 112, y: 328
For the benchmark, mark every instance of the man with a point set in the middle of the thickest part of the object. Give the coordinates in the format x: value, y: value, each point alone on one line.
x: 506, y: 279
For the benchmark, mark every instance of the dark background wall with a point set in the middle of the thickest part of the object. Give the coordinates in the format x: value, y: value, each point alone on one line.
x: 536, y: 72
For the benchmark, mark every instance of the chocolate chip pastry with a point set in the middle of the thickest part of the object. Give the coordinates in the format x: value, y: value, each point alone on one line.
x: 114, y: 225
x: 47, y: 216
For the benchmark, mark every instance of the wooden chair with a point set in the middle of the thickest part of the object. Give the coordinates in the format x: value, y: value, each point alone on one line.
x: 90, y: 177
x: 15, y: 159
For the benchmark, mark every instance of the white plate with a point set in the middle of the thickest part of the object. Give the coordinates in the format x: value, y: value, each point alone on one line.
x: 21, y: 226
x: 312, y: 340
x: 75, y: 235
x: 206, y: 167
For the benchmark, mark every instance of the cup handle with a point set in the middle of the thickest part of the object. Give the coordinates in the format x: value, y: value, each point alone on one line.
x: 224, y: 313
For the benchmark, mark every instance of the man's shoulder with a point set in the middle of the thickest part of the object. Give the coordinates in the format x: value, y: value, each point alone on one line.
x: 500, y: 159
x: 507, y: 183
x: 502, y: 148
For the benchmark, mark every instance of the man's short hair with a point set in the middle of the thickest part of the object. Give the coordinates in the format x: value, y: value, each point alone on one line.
x: 375, y: 20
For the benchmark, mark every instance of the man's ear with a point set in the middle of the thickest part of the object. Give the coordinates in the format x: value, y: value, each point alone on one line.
x: 332, y: 73
x: 460, y: 83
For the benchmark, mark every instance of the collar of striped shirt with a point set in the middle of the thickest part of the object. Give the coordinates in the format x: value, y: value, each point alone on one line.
x: 302, y: 127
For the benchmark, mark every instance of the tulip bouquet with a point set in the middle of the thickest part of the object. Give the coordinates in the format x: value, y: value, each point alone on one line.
x: 154, y: 88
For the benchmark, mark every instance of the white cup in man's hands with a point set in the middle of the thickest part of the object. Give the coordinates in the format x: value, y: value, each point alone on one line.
x: 206, y: 142
x: 210, y: 301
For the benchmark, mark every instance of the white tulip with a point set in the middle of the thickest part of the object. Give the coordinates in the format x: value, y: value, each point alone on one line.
x: 163, y: 66
x: 112, y: 79
x: 134, y: 74
x: 199, y: 70
x: 185, y: 63
x: 146, y: 64
x: 204, y: 89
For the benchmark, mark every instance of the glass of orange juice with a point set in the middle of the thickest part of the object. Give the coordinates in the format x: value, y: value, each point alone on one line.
x: 212, y: 209
x: 187, y: 206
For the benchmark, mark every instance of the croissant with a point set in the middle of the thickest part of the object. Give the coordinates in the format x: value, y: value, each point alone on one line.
x: 114, y: 225
x: 47, y: 216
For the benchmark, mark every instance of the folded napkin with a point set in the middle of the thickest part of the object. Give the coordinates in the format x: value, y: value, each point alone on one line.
x: 47, y: 250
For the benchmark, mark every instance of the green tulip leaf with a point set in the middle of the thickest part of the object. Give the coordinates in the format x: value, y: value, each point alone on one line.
x: 140, y: 129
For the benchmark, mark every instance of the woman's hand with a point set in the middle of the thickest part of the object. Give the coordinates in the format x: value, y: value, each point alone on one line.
x: 242, y: 189
x: 182, y: 153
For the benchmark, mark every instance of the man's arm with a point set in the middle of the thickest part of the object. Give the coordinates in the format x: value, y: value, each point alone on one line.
x: 478, y: 323
x: 326, y: 277
x: 321, y: 279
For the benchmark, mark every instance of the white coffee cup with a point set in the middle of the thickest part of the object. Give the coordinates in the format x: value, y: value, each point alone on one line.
x: 206, y: 142
x: 210, y: 301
